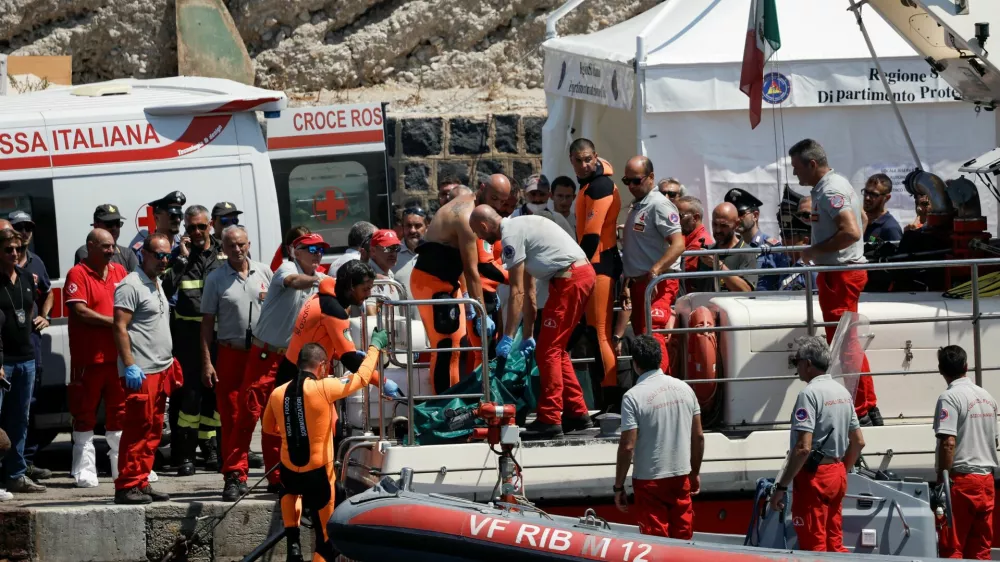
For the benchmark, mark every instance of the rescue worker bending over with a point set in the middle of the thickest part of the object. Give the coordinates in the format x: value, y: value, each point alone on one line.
x: 965, y: 422
x: 597, y: 209
x: 823, y: 412
x: 302, y: 414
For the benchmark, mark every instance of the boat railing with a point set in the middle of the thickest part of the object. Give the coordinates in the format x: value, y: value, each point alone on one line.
x: 811, y: 324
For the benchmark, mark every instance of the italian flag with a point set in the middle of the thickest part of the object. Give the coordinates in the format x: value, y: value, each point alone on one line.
x: 763, y: 39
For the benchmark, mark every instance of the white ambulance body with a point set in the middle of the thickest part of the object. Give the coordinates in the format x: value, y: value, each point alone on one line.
x: 128, y: 142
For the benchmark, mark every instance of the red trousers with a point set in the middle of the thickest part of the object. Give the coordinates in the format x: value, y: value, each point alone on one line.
x: 88, y: 385
x: 662, y: 299
x: 230, y: 365
x: 664, y: 507
x: 143, y: 427
x: 971, y: 538
x: 255, y: 389
x: 816, y: 508
x: 838, y: 293
x: 562, y: 312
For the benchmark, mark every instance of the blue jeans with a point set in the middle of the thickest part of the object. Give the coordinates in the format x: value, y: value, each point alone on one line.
x: 14, y: 406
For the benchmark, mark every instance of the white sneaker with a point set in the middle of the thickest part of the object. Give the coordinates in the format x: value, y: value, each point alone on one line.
x: 153, y: 477
x: 5, y: 495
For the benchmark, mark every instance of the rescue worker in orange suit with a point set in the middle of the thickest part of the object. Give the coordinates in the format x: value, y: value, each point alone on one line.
x: 836, y: 240
x: 661, y: 432
x: 448, y: 261
x: 597, y: 208
x: 652, y: 245
x: 307, y: 452
x: 324, y: 319
x: 965, y: 422
x: 492, y: 274
x: 538, y: 253
x: 825, y: 439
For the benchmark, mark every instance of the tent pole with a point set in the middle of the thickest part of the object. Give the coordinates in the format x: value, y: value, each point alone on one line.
x: 554, y: 17
x: 640, y: 74
x: 856, y: 8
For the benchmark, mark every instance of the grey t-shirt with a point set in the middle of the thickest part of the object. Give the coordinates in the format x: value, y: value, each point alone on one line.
x: 544, y: 248
x: 149, y: 330
x: 282, y: 305
x: 832, y: 196
x: 650, y: 223
x: 662, y: 408
x: 235, y: 301
x: 968, y: 413
x: 825, y: 409
x: 736, y: 262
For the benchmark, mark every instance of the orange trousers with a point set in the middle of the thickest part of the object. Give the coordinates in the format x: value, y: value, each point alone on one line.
x: 445, y: 326
x: 599, y: 316
x: 315, y: 489
x: 838, y: 293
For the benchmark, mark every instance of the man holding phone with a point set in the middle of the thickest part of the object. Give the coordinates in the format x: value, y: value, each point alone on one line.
x: 193, y: 418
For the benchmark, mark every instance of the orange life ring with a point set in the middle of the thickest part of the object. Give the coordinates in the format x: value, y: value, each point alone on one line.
x: 702, y: 357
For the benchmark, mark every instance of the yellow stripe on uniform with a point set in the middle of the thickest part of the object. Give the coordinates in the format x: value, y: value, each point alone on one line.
x: 192, y: 284
x: 188, y: 420
x: 206, y: 434
x: 214, y: 421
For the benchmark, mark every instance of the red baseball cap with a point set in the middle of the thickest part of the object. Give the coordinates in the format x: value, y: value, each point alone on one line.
x: 385, y: 238
x: 309, y: 240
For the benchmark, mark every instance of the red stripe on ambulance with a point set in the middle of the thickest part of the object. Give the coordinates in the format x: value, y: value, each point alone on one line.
x: 327, y: 139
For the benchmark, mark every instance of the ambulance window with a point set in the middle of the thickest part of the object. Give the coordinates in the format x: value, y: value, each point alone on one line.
x: 35, y: 198
x: 329, y: 197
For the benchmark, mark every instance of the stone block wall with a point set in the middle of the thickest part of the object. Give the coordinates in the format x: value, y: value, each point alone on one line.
x: 424, y: 150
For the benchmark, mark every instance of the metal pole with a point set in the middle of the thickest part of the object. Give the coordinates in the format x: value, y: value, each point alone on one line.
x: 410, y: 384
x: 485, y: 341
x: 810, y: 320
x: 365, y: 401
x: 977, y: 348
x: 856, y: 8
x: 380, y: 325
x: 715, y: 267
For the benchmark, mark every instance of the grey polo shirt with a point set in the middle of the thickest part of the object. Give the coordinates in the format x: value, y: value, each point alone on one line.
x: 969, y: 414
x: 544, y: 248
x: 149, y: 329
x: 406, y: 255
x: 282, y: 305
x: 832, y: 196
x: 651, y: 221
x: 235, y: 301
x: 662, y: 409
x: 825, y: 409
x: 737, y: 262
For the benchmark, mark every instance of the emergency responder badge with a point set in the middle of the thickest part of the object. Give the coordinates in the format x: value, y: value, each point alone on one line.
x: 944, y: 414
x: 837, y: 201
x: 674, y: 218
x: 640, y: 223
x: 71, y: 289
x: 801, y: 414
x: 549, y: 323
x: 508, y: 252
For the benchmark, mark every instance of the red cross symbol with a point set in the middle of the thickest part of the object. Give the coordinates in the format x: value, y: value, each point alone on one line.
x: 148, y: 222
x: 332, y: 205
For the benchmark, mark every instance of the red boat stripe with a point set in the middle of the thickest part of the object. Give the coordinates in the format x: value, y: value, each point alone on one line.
x: 326, y: 139
x: 534, y: 535
x: 242, y: 105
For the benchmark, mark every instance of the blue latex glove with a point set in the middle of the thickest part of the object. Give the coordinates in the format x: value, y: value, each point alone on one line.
x: 390, y: 389
x: 470, y: 310
x: 134, y: 377
x: 527, y: 347
x: 504, y: 346
x: 491, y: 328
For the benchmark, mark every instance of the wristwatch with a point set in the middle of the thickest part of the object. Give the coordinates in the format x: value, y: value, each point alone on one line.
x: 617, y: 489
x: 780, y: 488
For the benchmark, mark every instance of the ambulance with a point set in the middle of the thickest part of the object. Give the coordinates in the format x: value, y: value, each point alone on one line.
x: 65, y: 151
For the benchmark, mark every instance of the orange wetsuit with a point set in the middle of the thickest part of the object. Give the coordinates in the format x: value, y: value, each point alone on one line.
x: 491, y: 274
x: 597, y: 208
x: 435, y: 276
x: 307, y: 452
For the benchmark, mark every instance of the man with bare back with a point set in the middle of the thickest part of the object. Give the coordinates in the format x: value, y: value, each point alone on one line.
x: 446, y: 261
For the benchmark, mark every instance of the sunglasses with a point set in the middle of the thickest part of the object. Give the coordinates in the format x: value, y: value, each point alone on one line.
x: 193, y: 227
x: 672, y: 194
x: 632, y: 181
x: 872, y: 193
x: 112, y: 224
x: 313, y: 249
x: 24, y: 227
x: 160, y: 256
x: 414, y: 211
x: 13, y: 249
x: 390, y: 249
x: 229, y: 221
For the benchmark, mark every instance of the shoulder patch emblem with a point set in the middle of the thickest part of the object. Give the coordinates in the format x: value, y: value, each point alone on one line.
x: 508, y: 252
x: 944, y: 414
x: 674, y: 218
x: 801, y: 414
x: 72, y: 288
x: 837, y: 201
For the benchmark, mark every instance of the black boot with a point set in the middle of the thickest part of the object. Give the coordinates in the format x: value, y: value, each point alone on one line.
x: 293, y: 546
x: 538, y: 431
x: 210, y: 448
x: 875, y: 416
x: 182, y: 449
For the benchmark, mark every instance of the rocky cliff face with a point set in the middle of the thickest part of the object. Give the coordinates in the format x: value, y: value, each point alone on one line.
x: 309, y: 45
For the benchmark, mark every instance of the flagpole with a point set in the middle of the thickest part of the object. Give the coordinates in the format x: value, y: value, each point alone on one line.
x: 856, y: 8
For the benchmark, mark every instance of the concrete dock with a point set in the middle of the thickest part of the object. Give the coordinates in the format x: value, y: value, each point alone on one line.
x: 69, y: 524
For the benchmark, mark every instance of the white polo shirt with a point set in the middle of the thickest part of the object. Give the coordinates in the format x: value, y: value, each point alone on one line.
x: 969, y: 414
x: 662, y: 408
x: 825, y: 409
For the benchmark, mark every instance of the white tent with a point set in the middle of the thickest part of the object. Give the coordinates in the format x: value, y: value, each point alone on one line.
x: 682, y: 106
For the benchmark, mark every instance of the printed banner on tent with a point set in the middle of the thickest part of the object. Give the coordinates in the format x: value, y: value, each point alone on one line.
x: 795, y: 84
x: 590, y: 80
x: 897, y: 171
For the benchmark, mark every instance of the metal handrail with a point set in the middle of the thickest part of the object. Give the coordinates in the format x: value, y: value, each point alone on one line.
x: 410, y: 380
x: 810, y: 324
x: 365, y: 401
